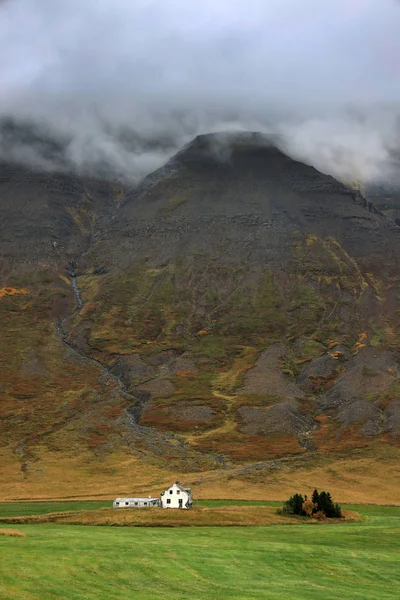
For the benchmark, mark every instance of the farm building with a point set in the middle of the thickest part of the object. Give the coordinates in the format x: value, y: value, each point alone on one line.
x: 177, y: 496
x: 136, y: 502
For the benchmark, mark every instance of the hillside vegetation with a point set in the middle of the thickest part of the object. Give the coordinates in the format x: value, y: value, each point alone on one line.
x: 239, y: 326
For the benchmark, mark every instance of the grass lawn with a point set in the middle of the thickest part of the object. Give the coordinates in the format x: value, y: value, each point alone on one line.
x: 17, y: 509
x: 294, y: 562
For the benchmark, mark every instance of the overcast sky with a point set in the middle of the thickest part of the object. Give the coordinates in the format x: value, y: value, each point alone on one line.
x: 325, y: 73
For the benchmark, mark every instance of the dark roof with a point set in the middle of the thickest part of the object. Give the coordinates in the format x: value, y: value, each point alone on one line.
x: 183, y: 489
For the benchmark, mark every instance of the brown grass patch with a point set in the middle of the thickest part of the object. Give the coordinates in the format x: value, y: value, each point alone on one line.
x: 223, y: 516
x: 12, y: 533
x: 157, y: 517
x: 349, y: 516
x: 241, y: 447
x: 183, y: 416
x: 183, y: 413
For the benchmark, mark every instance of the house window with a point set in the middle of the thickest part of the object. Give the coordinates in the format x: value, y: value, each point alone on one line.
x: 117, y: 504
x: 178, y: 491
x: 169, y: 501
x: 145, y: 503
x: 171, y: 491
x: 126, y: 503
x: 136, y: 503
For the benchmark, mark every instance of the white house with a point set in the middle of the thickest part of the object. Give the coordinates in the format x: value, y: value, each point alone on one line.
x: 177, y: 496
x: 136, y: 502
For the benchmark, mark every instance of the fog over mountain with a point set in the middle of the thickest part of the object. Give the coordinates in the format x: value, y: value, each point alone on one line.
x: 121, y: 86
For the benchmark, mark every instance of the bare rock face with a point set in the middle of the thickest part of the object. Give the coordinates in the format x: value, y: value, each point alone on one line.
x: 282, y: 418
x: 157, y: 388
x: 386, y: 197
x: 364, y: 411
x: 322, y: 368
x: 33, y: 367
x: 132, y: 370
x: 368, y: 374
x: 191, y: 412
x: 266, y: 377
x: 392, y: 423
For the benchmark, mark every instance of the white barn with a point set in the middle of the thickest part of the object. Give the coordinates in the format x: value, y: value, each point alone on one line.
x: 136, y: 502
x: 177, y: 496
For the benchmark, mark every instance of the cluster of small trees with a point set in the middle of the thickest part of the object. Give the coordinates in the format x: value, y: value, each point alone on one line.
x: 319, y: 506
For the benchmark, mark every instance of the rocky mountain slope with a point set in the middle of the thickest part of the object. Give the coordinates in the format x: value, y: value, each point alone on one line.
x: 238, y: 308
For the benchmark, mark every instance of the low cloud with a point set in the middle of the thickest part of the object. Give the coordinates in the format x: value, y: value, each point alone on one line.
x: 118, y: 87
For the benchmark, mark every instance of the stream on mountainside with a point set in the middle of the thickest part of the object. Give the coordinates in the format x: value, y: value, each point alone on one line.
x: 72, y: 272
x: 132, y: 412
x: 77, y: 291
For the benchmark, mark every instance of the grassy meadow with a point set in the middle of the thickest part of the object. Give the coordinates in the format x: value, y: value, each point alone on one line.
x: 280, y: 562
x: 20, y: 509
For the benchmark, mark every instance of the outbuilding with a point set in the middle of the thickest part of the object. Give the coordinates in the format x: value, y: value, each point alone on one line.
x: 136, y: 502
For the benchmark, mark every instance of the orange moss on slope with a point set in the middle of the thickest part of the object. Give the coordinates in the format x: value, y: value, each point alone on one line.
x: 360, y: 343
x: 10, y: 291
x: 331, y: 438
x: 186, y: 374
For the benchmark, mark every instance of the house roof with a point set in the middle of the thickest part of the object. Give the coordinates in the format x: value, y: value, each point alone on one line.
x: 183, y: 489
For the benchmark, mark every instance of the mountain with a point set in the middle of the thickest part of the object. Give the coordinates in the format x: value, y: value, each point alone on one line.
x: 386, y: 197
x: 233, y: 318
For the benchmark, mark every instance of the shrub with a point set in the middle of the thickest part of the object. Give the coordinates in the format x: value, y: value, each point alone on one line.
x: 319, y: 515
x: 321, y: 506
x: 309, y: 507
x: 338, y: 511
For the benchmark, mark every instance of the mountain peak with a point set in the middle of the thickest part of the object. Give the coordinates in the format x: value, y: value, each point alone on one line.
x: 223, y: 146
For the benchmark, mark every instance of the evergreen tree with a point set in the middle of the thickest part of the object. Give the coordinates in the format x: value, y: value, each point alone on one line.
x: 326, y: 505
x: 315, y: 497
x: 294, y: 506
x: 322, y: 502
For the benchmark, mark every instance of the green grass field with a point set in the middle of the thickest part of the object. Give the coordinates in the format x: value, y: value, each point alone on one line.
x: 331, y: 562
x: 19, y: 509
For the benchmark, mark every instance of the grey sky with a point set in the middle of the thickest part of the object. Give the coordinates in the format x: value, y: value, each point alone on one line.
x: 327, y: 74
